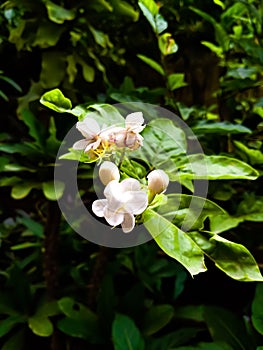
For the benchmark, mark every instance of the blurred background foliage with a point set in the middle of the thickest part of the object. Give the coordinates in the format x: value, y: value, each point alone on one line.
x: 201, y: 59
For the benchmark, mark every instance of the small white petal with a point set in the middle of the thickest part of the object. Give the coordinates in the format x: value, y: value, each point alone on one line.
x: 128, y: 223
x: 93, y: 145
x: 81, y: 144
x: 98, y: 207
x: 114, y: 218
x: 108, y: 172
x: 112, y: 189
x: 138, y: 202
x: 134, y: 118
x: 88, y: 127
x: 158, y: 181
x: 130, y: 185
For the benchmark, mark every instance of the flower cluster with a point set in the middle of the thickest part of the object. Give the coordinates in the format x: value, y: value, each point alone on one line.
x: 97, y: 140
x: 126, y: 199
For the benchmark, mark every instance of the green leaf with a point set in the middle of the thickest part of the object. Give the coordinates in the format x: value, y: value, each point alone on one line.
x: 225, y: 326
x: 40, y: 326
x: 53, y: 190
x: 167, y: 44
x: 80, y: 328
x: 220, y: 128
x: 125, y: 334
x: 7, y: 324
x: 79, y: 322
x: 257, y: 309
x: 163, y: 143
x: 15, y: 341
x: 151, y: 11
x: 174, y: 242
x: 153, y: 64
x: 232, y: 258
x: 199, y: 166
x: 3, y: 162
x: 58, y: 14
x: 75, y: 310
x: 254, y: 156
x: 156, y: 318
x: 36, y: 129
x: 189, y: 211
x: 55, y: 100
x: 21, y: 190
x: 25, y: 245
x: 53, y: 69
x: 176, y: 81
x: 250, y: 209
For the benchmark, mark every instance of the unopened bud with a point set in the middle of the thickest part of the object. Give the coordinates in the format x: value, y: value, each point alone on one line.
x: 158, y: 181
x: 108, y: 172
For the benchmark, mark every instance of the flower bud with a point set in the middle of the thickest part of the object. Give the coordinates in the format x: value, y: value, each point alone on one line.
x: 108, y: 172
x: 158, y: 181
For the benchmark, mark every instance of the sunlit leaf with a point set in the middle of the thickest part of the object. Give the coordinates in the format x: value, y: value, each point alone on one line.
x: 153, y: 64
x: 55, y: 100
x: 40, y: 326
x: 58, y: 14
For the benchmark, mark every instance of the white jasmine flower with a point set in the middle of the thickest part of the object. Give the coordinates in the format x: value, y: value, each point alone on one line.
x: 158, y: 181
x: 108, y: 171
x: 94, y: 136
x: 123, y: 201
x: 129, y: 136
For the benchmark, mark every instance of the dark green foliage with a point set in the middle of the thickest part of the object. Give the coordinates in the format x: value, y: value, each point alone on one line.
x: 200, y: 59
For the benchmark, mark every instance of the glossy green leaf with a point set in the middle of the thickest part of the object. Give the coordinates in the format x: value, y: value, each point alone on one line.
x: 257, y: 309
x: 156, y: 318
x: 153, y: 64
x: 55, y: 100
x: 174, y: 242
x: 163, y: 142
x: 199, y: 166
x: 151, y: 11
x: 40, y: 326
x: 3, y: 162
x: 232, y: 258
x: 58, y: 14
x: 250, y: 209
x: 220, y: 128
x: 36, y: 129
x: 125, y: 334
x: 53, y: 190
x: 189, y: 211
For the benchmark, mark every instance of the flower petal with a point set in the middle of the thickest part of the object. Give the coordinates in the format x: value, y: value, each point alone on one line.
x: 98, y: 207
x: 137, y: 203
x: 114, y: 218
x: 93, y: 145
x: 112, y: 189
x: 81, y: 144
x: 130, y: 185
x: 88, y: 127
x: 108, y: 171
x: 128, y: 223
x: 134, y: 119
